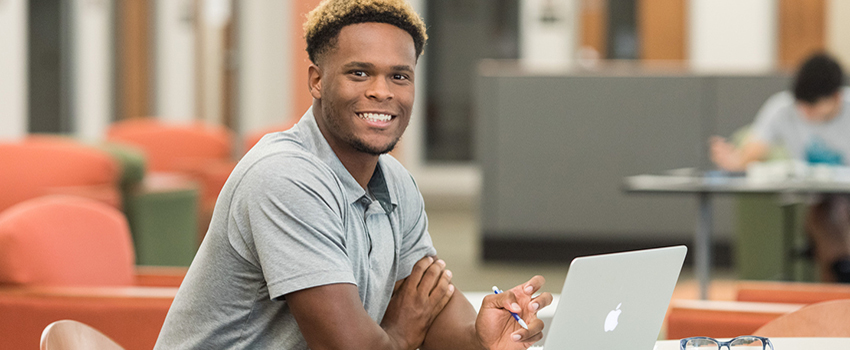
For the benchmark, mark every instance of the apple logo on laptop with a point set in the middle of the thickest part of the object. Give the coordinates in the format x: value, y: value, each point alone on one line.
x: 611, y: 320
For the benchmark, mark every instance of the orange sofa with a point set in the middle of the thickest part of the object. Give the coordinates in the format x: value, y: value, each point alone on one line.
x: 199, y: 150
x: 756, y: 304
x: 721, y: 319
x: 130, y: 316
x: 39, y: 165
x: 791, y: 292
x: 66, y: 257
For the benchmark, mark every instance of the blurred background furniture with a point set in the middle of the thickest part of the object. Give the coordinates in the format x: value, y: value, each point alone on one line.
x: 74, y: 335
x: 182, y: 161
x: 163, y: 214
x: 67, y: 257
x: 38, y: 165
x: 552, y: 176
x: 162, y: 211
x: 759, y: 219
x: 824, y: 319
x: 202, y: 151
x: 756, y: 304
x: 161, y: 208
x: 65, y: 240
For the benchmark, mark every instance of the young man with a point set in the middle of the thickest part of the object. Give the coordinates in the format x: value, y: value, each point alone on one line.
x: 319, y: 239
x: 813, y: 125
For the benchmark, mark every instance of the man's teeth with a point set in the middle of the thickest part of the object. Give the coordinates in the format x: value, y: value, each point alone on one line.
x: 375, y: 117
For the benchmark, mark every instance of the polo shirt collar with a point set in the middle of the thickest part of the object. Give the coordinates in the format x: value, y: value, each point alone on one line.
x: 378, y: 184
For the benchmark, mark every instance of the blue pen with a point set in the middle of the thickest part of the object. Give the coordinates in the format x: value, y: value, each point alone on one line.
x: 516, y: 317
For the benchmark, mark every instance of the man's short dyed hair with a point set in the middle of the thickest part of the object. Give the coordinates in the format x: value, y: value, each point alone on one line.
x: 326, y: 20
x: 820, y: 76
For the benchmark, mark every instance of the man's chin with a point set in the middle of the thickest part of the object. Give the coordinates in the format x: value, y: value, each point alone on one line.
x: 372, y: 149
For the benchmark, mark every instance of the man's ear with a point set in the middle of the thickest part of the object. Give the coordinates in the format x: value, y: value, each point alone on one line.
x: 314, y: 81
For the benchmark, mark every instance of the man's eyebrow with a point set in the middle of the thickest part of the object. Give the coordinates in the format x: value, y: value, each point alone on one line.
x: 356, y: 64
x: 367, y: 65
x: 403, y: 68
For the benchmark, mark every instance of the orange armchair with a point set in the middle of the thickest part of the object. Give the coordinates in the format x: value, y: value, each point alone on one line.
x: 757, y: 303
x: 40, y: 165
x: 198, y: 149
x: 65, y: 257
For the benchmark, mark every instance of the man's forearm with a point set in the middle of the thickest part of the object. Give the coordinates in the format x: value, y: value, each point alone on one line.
x: 454, y: 327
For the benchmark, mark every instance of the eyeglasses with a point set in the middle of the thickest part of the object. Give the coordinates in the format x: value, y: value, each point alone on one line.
x: 737, y: 343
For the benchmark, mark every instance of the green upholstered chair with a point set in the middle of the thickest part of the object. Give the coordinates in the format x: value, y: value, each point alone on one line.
x: 759, y: 248
x: 161, y: 208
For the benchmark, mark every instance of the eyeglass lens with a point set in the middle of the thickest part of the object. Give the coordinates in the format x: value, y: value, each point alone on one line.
x: 740, y: 343
x: 747, y: 343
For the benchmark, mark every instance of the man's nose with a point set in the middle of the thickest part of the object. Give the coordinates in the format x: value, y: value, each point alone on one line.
x: 379, y: 90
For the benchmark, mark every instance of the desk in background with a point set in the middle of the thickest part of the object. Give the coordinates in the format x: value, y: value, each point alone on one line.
x: 554, y: 147
x: 705, y: 186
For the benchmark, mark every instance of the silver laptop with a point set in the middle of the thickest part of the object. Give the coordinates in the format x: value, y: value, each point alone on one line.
x: 615, y: 301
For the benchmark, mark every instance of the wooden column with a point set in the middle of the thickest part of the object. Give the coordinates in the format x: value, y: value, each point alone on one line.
x: 301, y: 99
x: 133, y: 48
x: 594, y: 26
x: 662, y: 29
x: 801, y: 30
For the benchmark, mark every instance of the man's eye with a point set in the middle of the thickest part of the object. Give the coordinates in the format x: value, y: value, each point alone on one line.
x: 401, y: 77
x: 358, y: 73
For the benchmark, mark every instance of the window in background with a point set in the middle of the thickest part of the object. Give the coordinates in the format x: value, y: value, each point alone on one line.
x: 622, y: 31
x: 461, y: 33
x: 48, y: 72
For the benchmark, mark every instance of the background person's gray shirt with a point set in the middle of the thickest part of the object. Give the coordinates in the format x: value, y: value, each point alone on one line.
x: 291, y: 217
x: 780, y: 123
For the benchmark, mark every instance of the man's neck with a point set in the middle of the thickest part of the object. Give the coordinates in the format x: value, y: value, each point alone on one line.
x: 359, y: 164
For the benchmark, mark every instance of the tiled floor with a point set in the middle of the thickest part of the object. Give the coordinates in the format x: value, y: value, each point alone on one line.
x: 455, y: 234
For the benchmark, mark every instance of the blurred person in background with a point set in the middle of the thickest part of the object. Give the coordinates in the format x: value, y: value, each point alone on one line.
x: 812, y: 123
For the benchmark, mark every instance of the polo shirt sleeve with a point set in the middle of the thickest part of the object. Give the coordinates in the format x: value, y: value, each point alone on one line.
x: 289, y: 211
x: 416, y: 241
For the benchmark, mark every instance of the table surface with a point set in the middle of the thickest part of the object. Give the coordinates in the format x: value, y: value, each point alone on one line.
x: 729, y: 184
x: 778, y: 344
x: 547, y: 313
x: 706, y: 184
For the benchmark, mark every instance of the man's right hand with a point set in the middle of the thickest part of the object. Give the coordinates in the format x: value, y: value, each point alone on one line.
x: 416, y: 302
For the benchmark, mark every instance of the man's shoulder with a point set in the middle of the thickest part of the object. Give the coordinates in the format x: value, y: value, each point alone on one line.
x: 278, y: 157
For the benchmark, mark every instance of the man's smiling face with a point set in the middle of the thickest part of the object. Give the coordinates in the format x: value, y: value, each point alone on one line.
x: 366, y: 88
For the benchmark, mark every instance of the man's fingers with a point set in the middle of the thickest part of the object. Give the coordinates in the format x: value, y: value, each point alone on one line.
x: 540, y: 301
x: 533, y: 334
x: 431, y: 277
x: 533, y: 285
x: 442, y: 285
x: 533, y: 339
x: 418, y: 270
x: 506, y: 300
x: 450, y: 290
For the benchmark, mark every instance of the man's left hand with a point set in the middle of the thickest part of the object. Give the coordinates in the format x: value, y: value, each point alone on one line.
x: 495, y: 326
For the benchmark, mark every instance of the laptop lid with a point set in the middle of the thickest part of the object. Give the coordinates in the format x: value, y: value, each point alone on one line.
x: 615, y: 301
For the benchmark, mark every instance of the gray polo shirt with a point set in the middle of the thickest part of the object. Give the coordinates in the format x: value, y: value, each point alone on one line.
x: 291, y: 217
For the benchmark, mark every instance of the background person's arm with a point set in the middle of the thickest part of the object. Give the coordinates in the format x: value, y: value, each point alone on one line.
x: 459, y: 327
x: 727, y: 157
x: 332, y: 316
